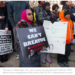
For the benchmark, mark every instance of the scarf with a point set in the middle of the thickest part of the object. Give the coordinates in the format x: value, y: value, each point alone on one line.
x: 24, y: 16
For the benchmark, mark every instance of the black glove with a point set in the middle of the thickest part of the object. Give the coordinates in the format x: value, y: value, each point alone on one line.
x: 53, y: 19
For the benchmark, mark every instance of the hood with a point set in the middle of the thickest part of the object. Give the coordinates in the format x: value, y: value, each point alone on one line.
x: 61, y: 15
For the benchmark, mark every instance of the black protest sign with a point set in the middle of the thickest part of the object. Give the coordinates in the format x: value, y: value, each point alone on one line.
x: 32, y: 39
x: 5, y: 43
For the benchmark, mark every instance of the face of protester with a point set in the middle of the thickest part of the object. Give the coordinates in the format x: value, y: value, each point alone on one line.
x: 67, y: 16
x: 30, y: 15
x: 47, y: 8
x: 56, y: 9
x: 69, y: 3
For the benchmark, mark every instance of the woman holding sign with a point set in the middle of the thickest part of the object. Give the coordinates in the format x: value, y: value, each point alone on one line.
x: 27, y: 21
x: 3, y: 24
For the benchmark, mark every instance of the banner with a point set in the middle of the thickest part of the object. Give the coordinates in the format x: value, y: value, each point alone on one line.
x: 56, y: 36
x: 5, y: 42
x: 32, y: 39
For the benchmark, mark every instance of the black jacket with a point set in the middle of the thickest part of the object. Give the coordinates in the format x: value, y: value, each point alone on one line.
x: 4, y: 22
x: 44, y: 15
x: 72, y: 11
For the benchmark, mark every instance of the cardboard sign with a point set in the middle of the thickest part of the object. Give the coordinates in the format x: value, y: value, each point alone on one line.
x: 56, y: 36
x: 32, y: 39
x: 5, y: 42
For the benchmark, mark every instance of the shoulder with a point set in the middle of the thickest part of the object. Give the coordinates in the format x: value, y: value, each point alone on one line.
x: 10, y: 3
x: 37, y: 7
x: 22, y: 25
x: 53, y: 15
x: 34, y: 24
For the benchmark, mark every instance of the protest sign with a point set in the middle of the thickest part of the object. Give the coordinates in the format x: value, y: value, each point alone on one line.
x: 31, y: 39
x: 56, y: 36
x: 5, y: 42
x: 73, y: 41
x: 74, y: 28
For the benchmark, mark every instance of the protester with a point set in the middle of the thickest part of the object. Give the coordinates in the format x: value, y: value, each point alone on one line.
x: 27, y: 21
x: 45, y: 14
x: 11, y: 29
x: 68, y: 5
x: 38, y: 9
x: 65, y: 17
x: 3, y: 25
x: 55, y: 8
x: 15, y: 8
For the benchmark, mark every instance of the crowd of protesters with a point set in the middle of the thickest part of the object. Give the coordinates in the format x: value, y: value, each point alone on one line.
x: 19, y: 14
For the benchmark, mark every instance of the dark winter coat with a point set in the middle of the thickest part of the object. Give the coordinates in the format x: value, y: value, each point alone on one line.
x: 44, y: 15
x: 3, y: 22
x: 15, y: 8
x: 34, y: 61
x: 3, y: 25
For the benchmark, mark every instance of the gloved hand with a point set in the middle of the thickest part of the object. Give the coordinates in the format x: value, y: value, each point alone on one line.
x: 53, y: 19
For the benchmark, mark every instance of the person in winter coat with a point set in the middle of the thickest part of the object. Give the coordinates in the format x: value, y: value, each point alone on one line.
x: 68, y: 5
x: 64, y: 15
x: 3, y: 25
x: 15, y: 8
x: 38, y: 9
x: 27, y: 21
x: 45, y: 14
x: 55, y: 8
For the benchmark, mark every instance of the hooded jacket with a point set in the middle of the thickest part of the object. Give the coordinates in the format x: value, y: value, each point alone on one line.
x: 44, y: 15
x: 69, y: 36
x: 72, y: 11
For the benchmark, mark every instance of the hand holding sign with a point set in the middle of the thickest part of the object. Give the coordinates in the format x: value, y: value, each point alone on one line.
x: 6, y: 31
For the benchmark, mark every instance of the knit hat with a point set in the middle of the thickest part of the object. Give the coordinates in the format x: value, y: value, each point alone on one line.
x: 66, y: 12
x: 45, y: 4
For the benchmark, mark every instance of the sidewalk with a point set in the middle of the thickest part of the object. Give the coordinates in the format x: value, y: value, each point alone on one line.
x: 13, y: 62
